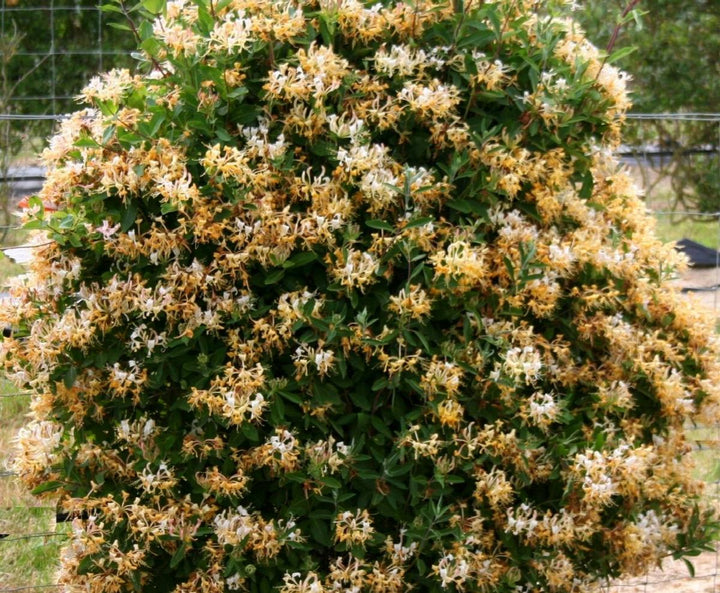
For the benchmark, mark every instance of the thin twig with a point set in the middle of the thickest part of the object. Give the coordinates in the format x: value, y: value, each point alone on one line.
x: 18, y: 538
x: 33, y: 246
x: 29, y: 588
x: 613, y: 38
x: 136, y: 34
x: 616, y: 31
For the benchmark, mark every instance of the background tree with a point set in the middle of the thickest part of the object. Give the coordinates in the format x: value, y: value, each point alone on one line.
x: 675, y: 68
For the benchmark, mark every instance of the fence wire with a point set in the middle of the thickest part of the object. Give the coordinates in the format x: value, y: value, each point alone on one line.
x: 53, y: 43
x: 25, y: 588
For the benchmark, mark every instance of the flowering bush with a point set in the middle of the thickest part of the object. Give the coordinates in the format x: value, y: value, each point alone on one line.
x: 349, y: 298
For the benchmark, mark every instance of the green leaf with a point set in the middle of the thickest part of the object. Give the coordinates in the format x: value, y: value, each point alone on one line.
x: 31, y: 225
x: 167, y: 207
x: 277, y: 411
x: 464, y: 206
x: 86, y: 142
x: 300, y: 259
x: 238, y: 93
x: 379, y: 384
x: 120, y: 26
x: 135, y: 578
x: 108, y: 134
x: 47, y: 487
x: 380, y: 225
x: 341, y: 366
x: 250, y: 431
x: 418, y: 222
x: 323, y: 148
x: 151, y: 46
x: 292, y: 397
x: 274, y: 277
x: 178, y: 555
x: 70, y: 377
x: 588, y: 184
x: 153, y: 6
x: 223, y: 135
x: 331, y: 482
x: 451, y: 479
x: 320, y: 532
x: 110, y: 8
x: 128, y: 139
x: 620, y: 54
x: 690, y: 566
x: 381, y: 426
x: 128, y: 217
x: 327, y: 28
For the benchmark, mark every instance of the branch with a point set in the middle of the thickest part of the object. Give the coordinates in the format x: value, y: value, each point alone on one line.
x: 616, y: 31
x: 138, y: 38
x: 611, y: 44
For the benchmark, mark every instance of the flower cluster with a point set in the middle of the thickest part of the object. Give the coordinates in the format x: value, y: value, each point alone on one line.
x: 351, y: 297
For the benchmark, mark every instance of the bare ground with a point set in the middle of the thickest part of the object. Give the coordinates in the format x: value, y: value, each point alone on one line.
x: 674, y: 577
x: 703, y: 284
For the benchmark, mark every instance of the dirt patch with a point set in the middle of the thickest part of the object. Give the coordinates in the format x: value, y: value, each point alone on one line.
x: 674, y: 577
x: 703, y: 284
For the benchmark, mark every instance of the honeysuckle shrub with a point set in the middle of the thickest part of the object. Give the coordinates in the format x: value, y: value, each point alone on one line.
x: 348, y: 297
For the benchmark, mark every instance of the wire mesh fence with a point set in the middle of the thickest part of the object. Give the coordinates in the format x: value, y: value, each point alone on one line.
x: 51, y: 46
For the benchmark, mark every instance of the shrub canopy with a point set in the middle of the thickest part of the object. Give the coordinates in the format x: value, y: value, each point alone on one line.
x: 354, y: 298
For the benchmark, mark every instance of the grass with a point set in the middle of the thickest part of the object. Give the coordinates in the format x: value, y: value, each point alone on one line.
x: 32, y: 561
x: 12, y: 416
x: 672, y: 227
x: 8, y: 269
x: 706, y: 462
x: 24, y: 561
